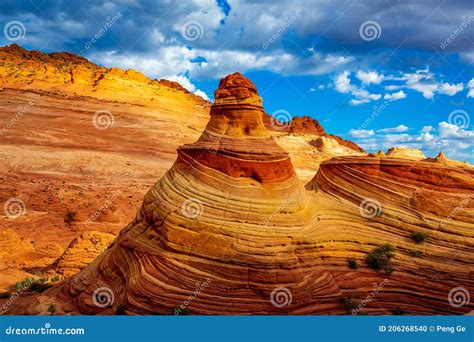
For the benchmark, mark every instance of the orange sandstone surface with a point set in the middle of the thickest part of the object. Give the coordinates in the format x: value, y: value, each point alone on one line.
x: 80, y: 145
x: 230, y: 229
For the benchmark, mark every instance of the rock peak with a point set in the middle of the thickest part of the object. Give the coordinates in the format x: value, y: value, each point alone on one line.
x: 236, y: 87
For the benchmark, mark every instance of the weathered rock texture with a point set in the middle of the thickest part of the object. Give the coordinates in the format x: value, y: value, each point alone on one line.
x: 81, y: 252
x: 386, y: 200
x: 229, y: 213
x: 230, y: 230
x: 75, y: 178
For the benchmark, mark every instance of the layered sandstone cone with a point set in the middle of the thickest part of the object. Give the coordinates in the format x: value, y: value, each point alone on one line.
x: 220, y: 233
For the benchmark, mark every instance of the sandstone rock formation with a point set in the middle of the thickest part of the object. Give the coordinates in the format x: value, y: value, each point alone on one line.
x: 229, y: 229
x: 442, y: 159
x: 229, y: 214
x: 48, y: 103
x: 81, y: 252
x: 405, y: 153
x: 397, y: 198
x: 69, y: 74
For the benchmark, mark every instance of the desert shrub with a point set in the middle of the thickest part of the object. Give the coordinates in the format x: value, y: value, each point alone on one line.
x: 5, y: 295
x: 55, y: 278
x: 30, y: 284
x: 180, y: 310
x: 352, y: 263
x: 120, y: 310
x: 39, y: 285
x: 24, y: 285
x: 51, y: 308
x: 380, y: 259
x: 419, y: 237
x: 69, y: 217
x: 416, y: 253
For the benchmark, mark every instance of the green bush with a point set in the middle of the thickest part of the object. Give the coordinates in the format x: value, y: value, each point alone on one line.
x: 416, y: 253
x: 352, y: 264
x: 30, y: 284
x: 419, y: 237
x: 56, y: 278
x: 380, y: 259
x: 39, y: 286
x: 51, y: 308
x: 24, y: 285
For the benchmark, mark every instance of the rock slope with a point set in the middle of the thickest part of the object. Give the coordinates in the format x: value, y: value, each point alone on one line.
x: 228, y: 214
x: 229, y: 229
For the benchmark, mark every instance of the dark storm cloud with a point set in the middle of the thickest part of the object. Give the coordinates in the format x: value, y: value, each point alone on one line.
x: 300, y: 28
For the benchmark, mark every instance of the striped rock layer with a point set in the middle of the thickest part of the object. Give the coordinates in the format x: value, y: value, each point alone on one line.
x: 227, y: 217
x: 230, y: 229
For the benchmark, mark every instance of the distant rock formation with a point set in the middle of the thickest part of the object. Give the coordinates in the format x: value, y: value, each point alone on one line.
x: 82, y: 251
x: 74, y: 75
x: 442, y: 159
x: 406, y: 153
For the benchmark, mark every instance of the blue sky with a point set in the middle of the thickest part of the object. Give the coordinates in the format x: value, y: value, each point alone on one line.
x: 381, y: 73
